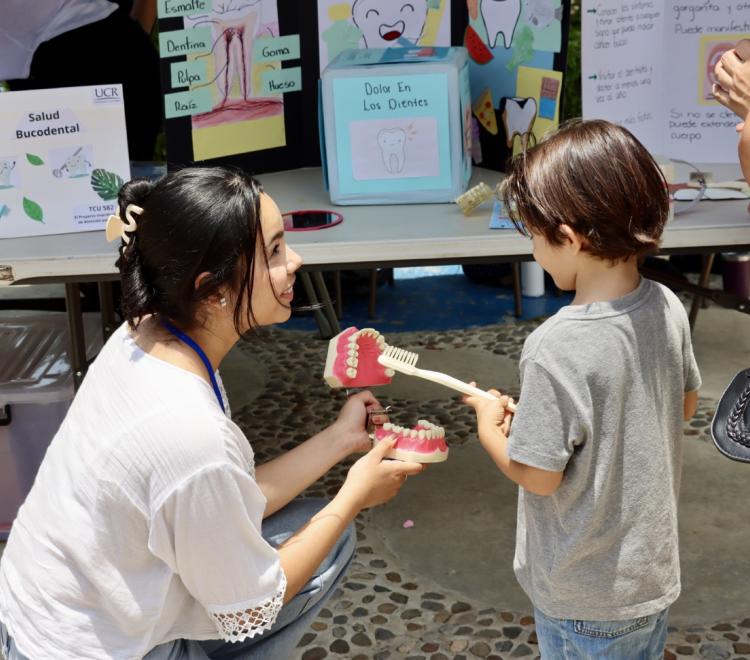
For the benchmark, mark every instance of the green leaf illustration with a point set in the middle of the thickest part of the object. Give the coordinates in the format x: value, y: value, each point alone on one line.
x: 33, y: 210
x: 106, y: 184
x: 34, y: 159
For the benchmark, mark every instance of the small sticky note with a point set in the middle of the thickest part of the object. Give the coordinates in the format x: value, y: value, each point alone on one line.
x: 547, y: 108
x: 186, y: 74
x: 499, y: 218
x: 278, y: 49
x: 185, y: 104
x: 550, y: 87
x: 172, y: 8
x: 281, y: 81
x: 184, y: 42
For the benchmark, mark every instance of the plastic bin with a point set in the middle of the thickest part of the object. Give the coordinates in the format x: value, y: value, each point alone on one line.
x: 36, y: 389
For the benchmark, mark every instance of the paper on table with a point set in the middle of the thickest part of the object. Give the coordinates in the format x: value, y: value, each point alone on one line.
x: 499, y: 219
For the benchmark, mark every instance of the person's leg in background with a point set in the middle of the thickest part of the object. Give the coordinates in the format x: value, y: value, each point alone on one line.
x: 113, y: 50
x: 296, y: 616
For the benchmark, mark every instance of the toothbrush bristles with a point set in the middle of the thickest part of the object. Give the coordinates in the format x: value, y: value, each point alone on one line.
x: 402, y: 355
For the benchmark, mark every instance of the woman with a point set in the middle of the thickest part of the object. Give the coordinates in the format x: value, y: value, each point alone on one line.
x: 732, y: 90
x: 142, y: 534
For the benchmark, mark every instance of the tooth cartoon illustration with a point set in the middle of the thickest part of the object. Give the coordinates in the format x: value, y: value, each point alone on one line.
x: 383, y: 23
x: 500, y: 17
x: 391, y: 143
x: 518, y: 118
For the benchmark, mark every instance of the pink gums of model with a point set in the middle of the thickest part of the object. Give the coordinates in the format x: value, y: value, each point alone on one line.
x: 425, y: 443
x: 352, y: 359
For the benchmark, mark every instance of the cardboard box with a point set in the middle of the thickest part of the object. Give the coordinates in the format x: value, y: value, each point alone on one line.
x: 396, y: 125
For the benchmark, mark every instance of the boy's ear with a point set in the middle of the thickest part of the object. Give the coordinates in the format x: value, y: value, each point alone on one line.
x: 574, y: 239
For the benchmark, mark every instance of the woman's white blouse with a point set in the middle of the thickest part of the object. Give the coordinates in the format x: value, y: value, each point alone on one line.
x: 144, y: 523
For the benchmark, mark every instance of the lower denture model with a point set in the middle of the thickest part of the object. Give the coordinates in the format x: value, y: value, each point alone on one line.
x: 425, y: 443
x: 352, y: 359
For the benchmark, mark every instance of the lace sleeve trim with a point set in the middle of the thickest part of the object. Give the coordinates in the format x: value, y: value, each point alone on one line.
x: 237, y: 623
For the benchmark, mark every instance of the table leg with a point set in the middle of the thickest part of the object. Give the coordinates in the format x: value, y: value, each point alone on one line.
x: 517, y: 289
x: 77, y: 354
x: 708, y: 262
x: 328, y: 308
x: 107, y: 308
x: 325, y: 330
x: 337, y: 294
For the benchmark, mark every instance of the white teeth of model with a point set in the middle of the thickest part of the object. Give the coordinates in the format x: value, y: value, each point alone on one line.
x: 352, y: 362
x: 423, y: 422
x: 500, y: 17
x: 353, y: 352
x: 422, y: 435
x: 518, y: 117
x: 392, y: 142
x: 387, y: 426
x: 351, y: 372
x: 413, y: 433
x: 390, y: 373
x: 381, y: 341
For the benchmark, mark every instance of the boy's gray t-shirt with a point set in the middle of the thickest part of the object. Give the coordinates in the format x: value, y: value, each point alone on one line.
x: 602, y: 398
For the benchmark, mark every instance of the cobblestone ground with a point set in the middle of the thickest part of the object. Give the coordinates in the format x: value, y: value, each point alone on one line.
x: 381, y: 611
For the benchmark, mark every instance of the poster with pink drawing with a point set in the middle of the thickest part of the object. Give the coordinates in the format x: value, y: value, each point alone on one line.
x: 381, y: 24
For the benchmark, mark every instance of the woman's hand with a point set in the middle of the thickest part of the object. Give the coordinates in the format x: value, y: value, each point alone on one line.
x: 350, y: 429
x: 733, y: 83
x: 373, y: 480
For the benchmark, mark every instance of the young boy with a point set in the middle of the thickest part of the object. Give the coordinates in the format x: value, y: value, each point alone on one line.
x: 595, y: 442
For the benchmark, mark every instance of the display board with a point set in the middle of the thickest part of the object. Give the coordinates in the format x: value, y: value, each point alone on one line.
x: 649, y: 66
x: 240, y: 77
x: 63, y: 158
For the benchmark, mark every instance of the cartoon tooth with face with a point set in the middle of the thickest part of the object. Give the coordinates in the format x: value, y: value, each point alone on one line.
x: 392, y: 142
x: 383, y: 23
x: 500, y: 17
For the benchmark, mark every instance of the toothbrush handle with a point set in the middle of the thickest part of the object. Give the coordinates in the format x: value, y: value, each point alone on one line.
x: 456, y: 384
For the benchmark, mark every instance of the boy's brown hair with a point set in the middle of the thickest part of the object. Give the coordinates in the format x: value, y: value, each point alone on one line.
x: 595, y: 177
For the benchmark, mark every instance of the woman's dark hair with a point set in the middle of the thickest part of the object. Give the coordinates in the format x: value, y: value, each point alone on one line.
x: 195, y: 220
x: 595, y: 177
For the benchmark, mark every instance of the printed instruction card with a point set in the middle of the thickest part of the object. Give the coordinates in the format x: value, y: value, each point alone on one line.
x: 63, y: 158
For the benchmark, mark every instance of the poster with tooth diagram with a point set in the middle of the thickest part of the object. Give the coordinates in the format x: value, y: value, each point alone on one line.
x: 517, y: 54
x: 648, y: 66
x: 381, y: 24
x: 63, y: 158
x: 225, y: 73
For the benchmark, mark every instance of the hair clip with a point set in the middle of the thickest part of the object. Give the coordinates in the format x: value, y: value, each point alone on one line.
x: 119, y: 228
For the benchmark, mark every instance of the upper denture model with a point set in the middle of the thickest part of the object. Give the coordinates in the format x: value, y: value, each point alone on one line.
x: 425, y: 443
x: 352, y: 359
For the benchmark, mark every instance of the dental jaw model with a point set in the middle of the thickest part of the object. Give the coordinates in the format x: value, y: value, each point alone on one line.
x: 425, y: 443
x: 352, y: 359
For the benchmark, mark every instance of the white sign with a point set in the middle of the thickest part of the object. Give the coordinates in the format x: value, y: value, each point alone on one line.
x: 63, y: 157
x: 648, y: 65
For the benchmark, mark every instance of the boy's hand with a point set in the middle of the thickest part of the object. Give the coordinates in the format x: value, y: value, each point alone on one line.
x: 491, y: 414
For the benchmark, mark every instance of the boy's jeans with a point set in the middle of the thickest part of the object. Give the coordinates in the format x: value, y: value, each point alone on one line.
x: 293, y: 620
x: 632, y: 639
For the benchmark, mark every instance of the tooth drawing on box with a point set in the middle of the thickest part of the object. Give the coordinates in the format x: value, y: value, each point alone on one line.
x: 396, y: 125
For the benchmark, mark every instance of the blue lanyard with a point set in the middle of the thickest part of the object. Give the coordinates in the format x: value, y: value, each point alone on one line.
x: 183, y: 337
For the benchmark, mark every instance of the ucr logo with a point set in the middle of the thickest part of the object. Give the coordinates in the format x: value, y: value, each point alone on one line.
x: 107, y: 92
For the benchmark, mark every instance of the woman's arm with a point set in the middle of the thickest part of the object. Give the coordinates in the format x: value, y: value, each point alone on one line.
x: 285, y: 477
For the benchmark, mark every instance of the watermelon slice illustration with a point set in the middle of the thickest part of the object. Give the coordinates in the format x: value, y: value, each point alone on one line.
x: 476, y: 47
